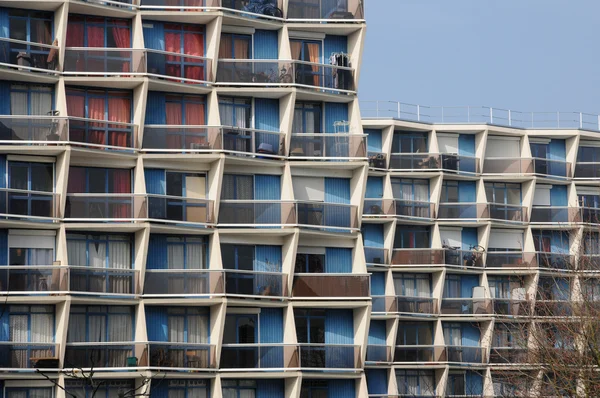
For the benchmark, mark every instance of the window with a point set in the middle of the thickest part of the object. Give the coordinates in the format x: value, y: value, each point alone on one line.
x: 100, y: 324
x: 31, y: 99
x: 452, y: 286
x: 310, y: 326
x: 588, y: 154
x: 30, y: 324
x: 242, y: 258
x: 29, y: 392
x: 238, y: 388
x: 508, y: 335
x: 235, y: 46
x: 189, y: 40
x: 236, y: 113
x: 415, y: 333
x: 415, y: 383
x: 413, y: 197
x: 185, y: 110
x: 188, y: 388
x: 186, y: 252
x: 310, y: 263
x: 456, y: 384
x: 409, y: 237
x: 188, y: 325
x: 449, y: 192
x: 35, y: 178
x: 33, y: 27
x: 503, y: 287
x: 307, y: 51
x: 307, y: 118
x: 99, y: 180
x: 314, y: 389
x: 412, y: 285
x: 554, y: 289
x: 92, y: 31
x: 503, y: 193
x: 404, y: 142
x: 106, y: 388
x: 185, y: 185
x: 237, y: 187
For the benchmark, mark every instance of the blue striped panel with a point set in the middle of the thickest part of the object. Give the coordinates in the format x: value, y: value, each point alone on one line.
x: 466, y: 145
x: 339, y: 329
x: 266, y: 44
x: 377, y: 332
x: 273, y: 388
x: 160, y: 391
x: 558, y: 195
x: 3, y: 247
x: 3, y: 179
x: 267, y: 187
x: 4, y: 23
x: 157, y: 257
x: 156, y: 110
x: 377, y: 381
x: 155, y: 181
x: 474, y: 383
x: 338, y: 260
x: 378, y: 284
x: 374, y: 140
x: 374, y: 188
x: 342, y: 388
x: 157, y: 323
x: 268, y: 258
x: 467, y: 283
x: 372, y: 235
x: 271, y: 331
x: 335, y: 112
x: 470, y: 336
x: 337, y: 190
x: 557, y: 150
x: 4, y: 91
x: 334, y: 44
x: 559, y: 242
x: 266, y: 114
x: 469, y: 238
x: 154, y: 38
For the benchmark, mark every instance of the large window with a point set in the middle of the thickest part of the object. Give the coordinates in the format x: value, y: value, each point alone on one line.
x: 29, y: 180
x: 310, y: 326
x: 186, y: 252
x: 403, y: 142
x: 99, y: 180
x: 188, y: 388
x: 588, y: 154
x: 29, y: 392
x: 28, y: 26
x: 307, y: 118
x: 310, y: 263
x: 503, y: 193
x: 235, y: 46
x: 314, y: 389
x: 412, y: 285
x: 408, y: 237
x: 413, y: 197
x: 189, y: 40
x: 92, y: 31
x: 307, y: 51
x: 415, y: 333
x: 240, y: 329
x: 105, y: 389
x: 185, y: 110
x: 31, y: 99
x: 238, y: 388
x: 30, y: 324
x: 415, y: 383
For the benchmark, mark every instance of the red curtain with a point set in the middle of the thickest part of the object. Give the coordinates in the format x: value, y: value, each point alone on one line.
x: 76, y: 182
x: 75, y: 38
x: 174, y: 118
x: 123, y: 40
x: 194, y: 116
x: 76, y: 108
x: 96, y: 130
x: 121, y: 183
x: 194, y: 45
x: 173, y: 44
x: 119, y: 110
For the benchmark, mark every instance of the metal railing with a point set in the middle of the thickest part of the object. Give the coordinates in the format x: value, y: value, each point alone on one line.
x: 415, y: 161
x: 463, y: 258
x: 102, y: 134
x: 508, y: 166
x: 255, y: 283
x: 555, y: 214
x: 459, y: 163
x: 341, y: 146
x: 510, y: 259
x: 33, y: 129
x: 183, y: 282
x: 271, y: 11
x: 590, y: 215
x: 331, y: 285
x: 28, y: 56
x: 259, y: 356
x: 511, y: 307
x: 507, y: 212
x: 176, y: 209
x: 376, y: 255
x: 24, y: 355
x: 98, y: 355
x: 465, y: 306
x: 257, y: 213
x: 105, y: 207
x: 263, y: 143
x: 508, y: 355
x: 32, y: 279
x: 178, y: 139
x: 178, y: 67
x: 414, y: 208
x: 384, y: 304
x: 589, y: 262
x: 378, y: 207
x: 480, y: 115
x: 104, y: 62
x: 379, y: 353
x: 558, y: 261
x: 329, y: 215
x: 126, y: 4
x: 330, y: 356
x: 463, y: 210
x: 466, y: 354
x: 551, y: 168
x: 414, y: 256
x: 553, y: 308
x: 325, y: 11
x: 99, y: 281
x: 30, y: 205
x: 587, y: 170
x: 417, y: 305
x: 165, y: 355
x: 419, y: 353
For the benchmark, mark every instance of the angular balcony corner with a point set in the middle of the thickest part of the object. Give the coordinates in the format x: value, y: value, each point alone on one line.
x: 510, y: 259
x: 25, y: 56
x: 182, y: 139
x: 418, y: 257
x: 105, y: 355
x: 105, y: 207
x: 181, y: 356
x: 25, y: 355
x: 509, y: 355
x: 508, y: 166
x: 102, y: 134
x: 466, y: 306
x: 556, y: 261
x: 33, y: 130
x: 414, y: 209
x: 33, y: 280
x: 259, y: 356
x: 379, y: 353
x: 463, y: 258
x: 376, y: 208
x: 376, y: 255
x: 511, y: 307
x: 452, y: 163
x: 104, y: 62
x: 417, y: 305
x: 415, y: 161
x: 328, y: 78
x: 343, y: 286
x: 419, y: 353
x: 29, y: 205
x: 180, y: 210
x: 177, y: 67
x: 471, y: 211
x: 246, y: 142
x: 303, y: 11
x: 337, y: 147
x: 335, y: 217
x: 466, y: 354
x: 551, y: 168
x: 330, y: 356
x: 384, y: 304
x: 507, y: 212
x: 183, y: 283
x: 103, y: 281
x: 555, y: 214
x: 587, y: 170
x: 255, y: 283
x: 257, y: 213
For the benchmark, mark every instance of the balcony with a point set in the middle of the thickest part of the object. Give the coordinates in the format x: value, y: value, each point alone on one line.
x: 378, y: 207
x: 415, y: 161
x: 104, y: 62
x: 331, y: 286
x: 105, y: 207
x: 178, y: 5
x: 511, y: 307
x: 510, y: 259
x: 463, y: 258
x: 321, y: 214
x: 330, y: 356
x: 271, y: 9
x: 466, y: 306
x: 29, y: 205
x: 379, y: 353
x: 466, y: 354
x: 553, y: 308
x: 255, y: 283
x: 418, y: 257
x: 98, y: 355
x: 306, y: 11
x: 183, y: 282
x: 417, y: 305
x: 256, y: 213
x: 182, y: 356
x: 30, y: 129
x: 507, y: 166
x: 557, y: 261
x: 259, y: 356
x: 30, y: 279
x: 508, y: 355
x: 16, y: 355
x: 102, y: 134
x: 419, y: 353
x: 26, y: 56
x: 182, y: 139
x: 555, y: 214
x: 177, y: 67
x: 463, y: 211
x: 180, y: 210
x: 126, y: 4
x: 384, y: 304
x: 459, y: 163
x: 264, y: 144
x: 507, y: 212
x: 590, y: 215
x: 414, y: 209
x: 103, y: 281
x: 587, y: 170
x: 551, y: 168
x: 589, y: 262
x: 376, y: 255
x: 326, y: 146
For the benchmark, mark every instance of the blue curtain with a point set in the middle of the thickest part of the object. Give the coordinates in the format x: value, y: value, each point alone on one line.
x: 337, y: 190
x: 372, y: 235
x: 338, y: 260
x: 266, y: 44
x: 377, y: 383
x: 3, y: 247
x: 474, y: 383
x: 4, y: 93
x: 374, y: 188
x: 377, y: 332
x: 342, y: 388
x: 378, y: 284
x: 335, y: 112
x: 339, y: 329
x: 268, y: 258
x: 335, y: 44
x: 157, y: 323
x: 156, y: 184
x: 271, y: 331
x: 469, y: 238
x: 374, y: 140
x: 154, y: 38
x: 157, y: 257
x: 267, y: 187
x: 270, y: 388
x: 156, y: 110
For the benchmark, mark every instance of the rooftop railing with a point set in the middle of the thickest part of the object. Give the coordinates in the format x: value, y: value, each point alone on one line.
x: 28, y: 56
x: 104, y: 62
x: 331, y: 285
x: 480, y: 115
x: 328, y: 146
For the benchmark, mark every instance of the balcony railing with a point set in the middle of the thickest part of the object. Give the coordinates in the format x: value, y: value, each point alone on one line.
x: 420, y: 353
x: 178, y: 67
x: 30, y: 205
x: 181, y: 355
x: 378, y: 207
x: 414, y: 208
x: 178, y: 139
x: 100, y: 281
x: 590, y: 215
x: 271, y: 9
x: 553, y: 308
x: 331, y: 285
x: 98, y: 355
x: 459, y: 163
x: 259, y: 356
x: 376, y: 255
x: 507, y: 166
x: 254, y: 213
x: 179, y: 5
x: 508, y: 355
x: 558, y: 261
x: 463, y: 258
x: 555, y: 214
x: 102, y: 134
x: 28, y: 56
x: 330, y: 356
x: 383, y: 304
x: 176, y: 209
x: 32, y: 129
x: 551, y: 168
x: 127, y: 4
x: 510, y: 259
x: 183, y: 282
x: 323, y: 10
x: 466, y: 354
x: 17, y: 355
x: 326, y: 146
x: 242, y: 141
x: 321, y: 214
x: 415, y: 161
x: 463, y: 210
x: 417, y: 305
x: 418, y: 257
x: 255, y: 283
x: 507, y: 212
x: 511, y: 307
x: 466, y: 306
x: 31, y: 279
x: 105, y: 207
x: 587, y: 170
x: 589, y: 262
x: 104, y: 62
x: 379, y: 353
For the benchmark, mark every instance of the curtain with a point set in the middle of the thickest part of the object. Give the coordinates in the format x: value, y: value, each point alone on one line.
x: 427, y: 385
x: 96, y: 111
x: 42, y: 328
x: 177, y: 394
x: 123, y: 40
x: 173, y: 45
x: 296, y: 48
x: 226, y: 112
x: 119, y: 110
x: 40, y: 393
x: 41, y: 256
x: 43, y: 33
x: 119, y: 330
x: 423, y: 289
x: 174, y: 118
x: 18, y: 333
x: 18, y: 103
x: 76, y: 183
x: 193, y: 44
x: 197, y: 329
x: 196, y: 393
x: 176, y: 261
x: 314, y: 57
x: 76, y: 331
x: 41, y: 103
x: 176, y: 329
x: 297, y: 123
x: 75, y: 34
x: 17, y: 394
x: 122, y: 184
x: 76, y: 252
x: 194, y: 116
x: 421, y: 193
x: 120, y: 257
x: 241, y: 49
x: 225, y: 46
x: 97, y: 328
x: 195, y: 257
x: 95, y: 36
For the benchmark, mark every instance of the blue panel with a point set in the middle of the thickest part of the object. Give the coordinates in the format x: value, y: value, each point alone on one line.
x: 267, y: 187
x: 377, y: 381
x: 342, y: 389
x: 157, y: 323
x: 4, y: 93
x: 377, y: 332
x: 4, y: 324
x: 374, y: 188
x: 4, y: 23
x: 467, y: 283
x: 334, y: 44
x: 271, y: 325
x: 469, y: 238
x: 160, y: 391
x: 466, y: 191
x: 335, y: 112
x: 372, y: 235
x: 557, y: 151
x: 3, y: 247
x: 559, y: 242
x: 474, y: 384
x: 274, y: 388
x: 154, y: 38
x: 470, y: 335
x: 266, y: 44
x: 156, y: 111
x: 378, y: 284
x: 337, y: 190
x: 3, y: 179
x: 266, y: 114
x: 339, y: 327
x: 558, y: 195
x: 466, y: 145
x: 155, y: 181
x: 157, y: 257
x: 268, y: 258
x: 338, y: 260
x: 374, y: 140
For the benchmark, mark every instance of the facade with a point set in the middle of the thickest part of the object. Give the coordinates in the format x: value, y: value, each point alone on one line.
x: 181, y: 191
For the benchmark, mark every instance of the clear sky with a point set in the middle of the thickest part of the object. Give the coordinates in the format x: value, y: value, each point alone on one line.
x: 528, y: 55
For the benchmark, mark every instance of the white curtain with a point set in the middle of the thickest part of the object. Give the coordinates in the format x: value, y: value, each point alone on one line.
x: 176, y: 329
x: 76, y: 251
x: 97, y: 328
x: 42, y: 328
x: 40, y: 393
x: 16, y: 394
x: 421, y: 193
x: 120, y: 327
x: 297, y: 124
x: 41, y: 256
x: 197, y: 329
x: 423, y: 288
x: 195, y: 256
x: 241, y: 116
x: 119, y: 257
x: 412, y: 385
x: 175, y: 257
x: 229, y: 393
x: 76, y: 332
x: 97, y: 255
x: 18, y: 103
x: 196, y: 393
x: 177, y: 394
x: 247, y: 394
x: 226, y: 113
x: 18, y: 333
x: 427, y: 385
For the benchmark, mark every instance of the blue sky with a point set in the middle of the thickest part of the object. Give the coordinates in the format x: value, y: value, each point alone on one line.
x: 529, y: 55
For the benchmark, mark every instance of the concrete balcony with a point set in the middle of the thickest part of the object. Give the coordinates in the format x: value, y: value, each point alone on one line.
x: 328, y: 216
x: 308, y: 11
x: 466, y: 354
x: 259, y: 356
x: 33, y: 130
x: 419, y: 353
x: 29, y: 205
x: 103, y: 281
x: 551, y: 168
x: 379, y: 353
x: 555, y: 214
x: 328, y: 146
x: 182, y: 139
x: 170, y: 356
x: 29, y: 355
x: 242, y: 142
x: 257, y: 213
x: 510, y: 259
x: 183, y: 283
x: 376, y: 255
x: 330, y: 356
x: 463, y: 211
x: 466, y: 306
x: 507, y: 212
x: 26, y: 56
x: 104, y: 62
x: 508, y: 166
x: 176, y: 67
x: 102, y: 134
x: 106, y: 355
x: 255, y: 283
x: 343, y: 286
